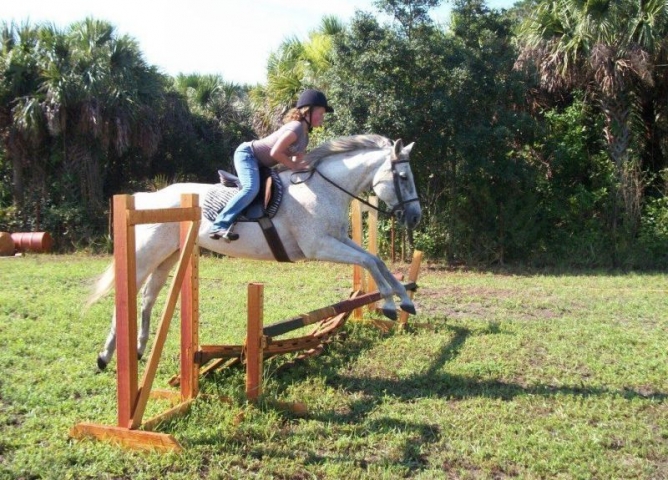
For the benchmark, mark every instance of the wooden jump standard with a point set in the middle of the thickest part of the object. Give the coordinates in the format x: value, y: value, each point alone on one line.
x: 132, y: 396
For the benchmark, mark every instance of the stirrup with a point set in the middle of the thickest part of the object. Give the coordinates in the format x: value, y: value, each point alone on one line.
x: 227, y: 235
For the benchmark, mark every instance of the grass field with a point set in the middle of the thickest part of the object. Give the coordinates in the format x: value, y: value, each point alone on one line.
x: 521, y: 376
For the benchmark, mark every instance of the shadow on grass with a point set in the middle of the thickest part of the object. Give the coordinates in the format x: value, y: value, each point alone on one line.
x: 433, y: 382
x: 430, y: 383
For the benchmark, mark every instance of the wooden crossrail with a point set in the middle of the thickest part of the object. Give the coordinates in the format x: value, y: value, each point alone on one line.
x: 319, y: 314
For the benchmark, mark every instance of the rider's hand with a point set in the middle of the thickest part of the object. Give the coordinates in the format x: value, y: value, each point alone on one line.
x: 298, y: 163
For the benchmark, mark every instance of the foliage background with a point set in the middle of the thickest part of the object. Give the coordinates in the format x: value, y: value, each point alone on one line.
x: 519, y: 160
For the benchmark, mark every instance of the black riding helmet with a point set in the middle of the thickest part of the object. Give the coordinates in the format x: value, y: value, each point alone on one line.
x: 313, y: 98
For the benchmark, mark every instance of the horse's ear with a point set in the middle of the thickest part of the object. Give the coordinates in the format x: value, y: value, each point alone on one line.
x: 398, y: 147
x: 408, y: 148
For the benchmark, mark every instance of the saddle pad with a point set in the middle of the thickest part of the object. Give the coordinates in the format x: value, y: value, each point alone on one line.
x: 216, y: 199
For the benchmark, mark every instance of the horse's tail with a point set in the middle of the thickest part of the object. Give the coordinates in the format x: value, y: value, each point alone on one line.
x: 103, y: 285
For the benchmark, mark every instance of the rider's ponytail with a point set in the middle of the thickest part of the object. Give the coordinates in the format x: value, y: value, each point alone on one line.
x: 298, y: 114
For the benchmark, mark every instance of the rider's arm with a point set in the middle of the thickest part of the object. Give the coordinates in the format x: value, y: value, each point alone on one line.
x: 278, y: 151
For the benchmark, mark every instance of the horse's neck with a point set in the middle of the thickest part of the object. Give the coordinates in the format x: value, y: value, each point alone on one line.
x: 355, y: 173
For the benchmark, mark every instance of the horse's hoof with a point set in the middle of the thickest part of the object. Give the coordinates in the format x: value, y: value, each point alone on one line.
x: 101, y: 364
x: 410, y: 309
x: 139, y: 355
x: 389, y: 313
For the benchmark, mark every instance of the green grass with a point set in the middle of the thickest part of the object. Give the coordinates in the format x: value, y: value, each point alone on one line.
x: 520, y: 376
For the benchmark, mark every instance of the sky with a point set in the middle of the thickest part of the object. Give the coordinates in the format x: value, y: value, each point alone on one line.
x: 232, y: 38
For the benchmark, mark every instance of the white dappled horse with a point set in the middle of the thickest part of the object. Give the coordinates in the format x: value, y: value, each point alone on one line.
x: 312, y: 222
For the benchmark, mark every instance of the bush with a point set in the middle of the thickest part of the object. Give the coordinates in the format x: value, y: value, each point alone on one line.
x: 652, y: 245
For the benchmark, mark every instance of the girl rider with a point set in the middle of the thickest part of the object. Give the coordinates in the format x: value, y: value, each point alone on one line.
x: 287, y: 146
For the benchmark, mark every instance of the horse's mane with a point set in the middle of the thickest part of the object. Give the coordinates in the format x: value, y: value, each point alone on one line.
x: 347, y: 144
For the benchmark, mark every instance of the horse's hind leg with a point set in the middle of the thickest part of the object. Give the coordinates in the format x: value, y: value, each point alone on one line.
x: 149, y: 296
x: 104, y: 357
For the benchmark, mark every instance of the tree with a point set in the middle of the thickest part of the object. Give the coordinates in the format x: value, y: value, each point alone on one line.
x: 19, y: 78
x: 296, y: 65
x: 107, y: 99
x: 609, y: 49
x: 410, y: 14
x: 454, y: 93
x: 75, y: 104
x: 220, y: 114
x: 92, y: 97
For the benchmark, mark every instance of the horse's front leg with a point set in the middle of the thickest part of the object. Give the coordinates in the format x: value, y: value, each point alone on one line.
x: 333, y: 250
x: 406, y: 303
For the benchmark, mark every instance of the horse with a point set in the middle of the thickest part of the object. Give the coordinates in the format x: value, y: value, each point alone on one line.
x: 312, y: 222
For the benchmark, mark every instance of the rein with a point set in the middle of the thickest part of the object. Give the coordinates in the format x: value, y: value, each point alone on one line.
x: 397, y: 190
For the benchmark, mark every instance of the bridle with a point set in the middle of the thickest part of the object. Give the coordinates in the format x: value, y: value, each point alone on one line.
x: 397, y: 209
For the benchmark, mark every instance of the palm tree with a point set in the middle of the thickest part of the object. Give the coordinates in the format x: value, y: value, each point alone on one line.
x: 211, y: 96
x: 607, y: 48
x: 223, y: 107
x: 295, y: 66
x: 19, y: 78
x: 76, y: 100
x: 109, y: 98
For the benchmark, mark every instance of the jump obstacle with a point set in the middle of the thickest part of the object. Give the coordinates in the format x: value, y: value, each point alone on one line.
x: 131, y: 430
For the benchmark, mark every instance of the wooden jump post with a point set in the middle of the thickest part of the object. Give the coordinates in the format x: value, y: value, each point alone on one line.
x: 260, y: 338
x: 132, y: 396
x: 361, y: 281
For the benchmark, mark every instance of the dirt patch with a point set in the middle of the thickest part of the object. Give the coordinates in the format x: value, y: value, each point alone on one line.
x: 484, y: 303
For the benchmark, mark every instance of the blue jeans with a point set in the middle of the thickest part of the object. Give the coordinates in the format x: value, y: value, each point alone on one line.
x: 248, y: 171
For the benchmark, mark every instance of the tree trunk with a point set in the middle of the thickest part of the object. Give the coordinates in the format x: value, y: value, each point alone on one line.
x: 618, y: 137
x: 653, y: 160
x: 15, y: 152
x: 625, y: 193
x: 18, y: 188
x: 616, y: 130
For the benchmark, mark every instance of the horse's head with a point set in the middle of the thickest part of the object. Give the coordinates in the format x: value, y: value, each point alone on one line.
x: 394, y: 185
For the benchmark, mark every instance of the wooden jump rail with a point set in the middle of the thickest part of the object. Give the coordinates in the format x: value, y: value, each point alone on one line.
x: 323, y: 313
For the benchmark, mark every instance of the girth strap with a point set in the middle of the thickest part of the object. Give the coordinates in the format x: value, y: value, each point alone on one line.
x: 274, y: 241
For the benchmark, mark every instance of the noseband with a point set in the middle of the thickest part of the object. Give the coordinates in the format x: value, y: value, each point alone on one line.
x: 397, y: 209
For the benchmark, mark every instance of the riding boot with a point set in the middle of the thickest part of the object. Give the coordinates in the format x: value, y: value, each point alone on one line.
x: 227, y: 235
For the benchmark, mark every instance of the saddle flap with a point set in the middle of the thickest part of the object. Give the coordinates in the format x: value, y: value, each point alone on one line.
x: 268, y: 190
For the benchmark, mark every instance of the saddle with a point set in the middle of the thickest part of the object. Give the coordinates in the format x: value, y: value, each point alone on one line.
x: 261, y: 210
x: 264, y: 205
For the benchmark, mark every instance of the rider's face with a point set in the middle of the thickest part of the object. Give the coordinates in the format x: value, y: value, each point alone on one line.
x: 317, y: 116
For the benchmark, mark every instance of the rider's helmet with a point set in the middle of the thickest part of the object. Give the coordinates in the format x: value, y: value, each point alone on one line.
x: 313, y: 98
